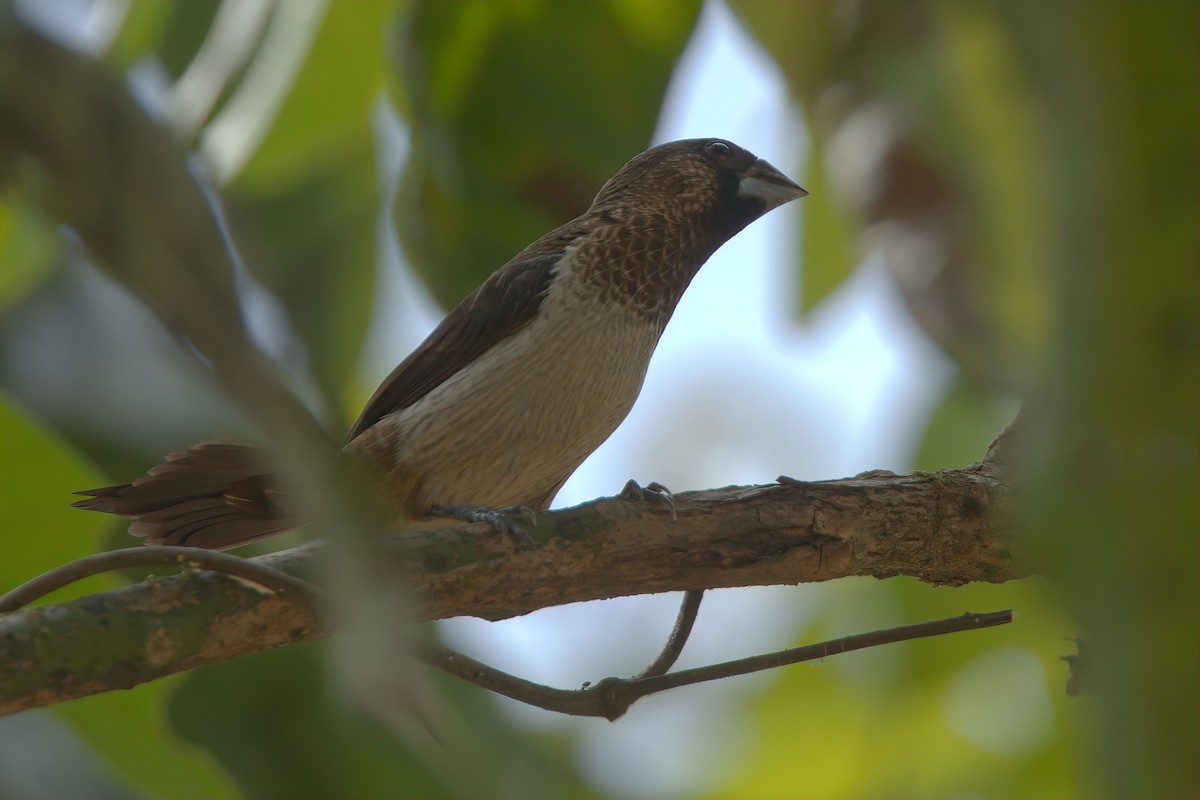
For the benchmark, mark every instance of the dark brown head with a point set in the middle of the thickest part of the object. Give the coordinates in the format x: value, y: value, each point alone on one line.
x: 711, y: 177
x: 670, y: 208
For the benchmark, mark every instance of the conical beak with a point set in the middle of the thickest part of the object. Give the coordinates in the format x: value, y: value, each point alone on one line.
x: 763, y: 182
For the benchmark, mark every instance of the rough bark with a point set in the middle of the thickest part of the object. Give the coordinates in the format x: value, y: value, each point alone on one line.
x: 944, y: 528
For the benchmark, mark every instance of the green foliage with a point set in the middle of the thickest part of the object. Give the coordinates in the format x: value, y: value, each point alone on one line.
x: 1047, y: 149
x: 127, y: 729
x: 1024, y: 139
x: 992, y: 124
x: 248, y: 715
x: 27, y: 248
x: 131, y: 732
x: 920, y: 119
x: 518, y: 111
x: 170, y: 31
x: 933, y: 718
x: 962, y: 426
x: 316, y: 163
x: 50, y: 470
x: 1115, y: 511
x: 829, y: 251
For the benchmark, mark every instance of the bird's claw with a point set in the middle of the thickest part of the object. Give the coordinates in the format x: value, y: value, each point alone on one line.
x: 501, y: 519
x: 634, y: 492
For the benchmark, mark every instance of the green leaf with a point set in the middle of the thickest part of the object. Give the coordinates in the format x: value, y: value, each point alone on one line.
x: 270, y: 719
x: 130, y: 732
x: 28, y: 248
x: 172, y: 31
x: 905, y: 720
x: 277, y: 723
x: 829, y: 252
x: 38, y: 528
x: 992, y: 124
x: 39, y: 531
x: 519, y: 111
x: 966, y: 420
x: 327, y: 110
x: 305, y: 205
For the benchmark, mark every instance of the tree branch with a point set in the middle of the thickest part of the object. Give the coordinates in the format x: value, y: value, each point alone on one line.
x: 943, y: 528
x: 158, y: 236
x: 612, y: 697
x: 688, y: 610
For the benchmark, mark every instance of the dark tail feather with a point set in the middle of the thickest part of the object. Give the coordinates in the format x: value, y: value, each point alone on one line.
x: 214, y: 495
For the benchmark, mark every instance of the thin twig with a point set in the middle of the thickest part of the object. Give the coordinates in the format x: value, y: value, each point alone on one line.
x: 612, y: 697
x: 163, y: 556
x: 679, y: 635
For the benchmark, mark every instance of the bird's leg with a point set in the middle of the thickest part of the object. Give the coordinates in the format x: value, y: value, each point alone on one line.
x: 634, y: 492
x: 501, y: 519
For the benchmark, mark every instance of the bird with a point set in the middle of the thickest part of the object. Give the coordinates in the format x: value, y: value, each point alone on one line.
x: 517, y: 385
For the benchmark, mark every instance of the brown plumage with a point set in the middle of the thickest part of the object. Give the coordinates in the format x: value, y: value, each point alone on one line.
x: 520, y: 382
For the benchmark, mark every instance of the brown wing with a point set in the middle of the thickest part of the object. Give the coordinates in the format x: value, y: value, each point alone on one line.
x: 504, y: 304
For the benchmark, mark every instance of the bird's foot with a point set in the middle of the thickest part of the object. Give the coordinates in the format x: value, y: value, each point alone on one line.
x: 655, y: 492
x: 501, y: 519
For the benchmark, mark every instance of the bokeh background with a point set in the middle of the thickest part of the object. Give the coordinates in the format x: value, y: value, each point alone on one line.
x: 1003, y: 210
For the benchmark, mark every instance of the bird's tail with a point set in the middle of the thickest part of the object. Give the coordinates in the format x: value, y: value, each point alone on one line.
x: 214, y: 495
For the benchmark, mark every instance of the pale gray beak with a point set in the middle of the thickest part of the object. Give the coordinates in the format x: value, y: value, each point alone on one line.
x: 768, y: 185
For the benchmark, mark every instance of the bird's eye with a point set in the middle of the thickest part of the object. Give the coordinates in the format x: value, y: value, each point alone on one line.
x: 719, y: 149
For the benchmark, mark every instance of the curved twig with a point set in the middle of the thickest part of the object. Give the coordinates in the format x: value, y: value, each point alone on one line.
x: 612, y: 697
x: 162, y: 556
x: 679, y: 636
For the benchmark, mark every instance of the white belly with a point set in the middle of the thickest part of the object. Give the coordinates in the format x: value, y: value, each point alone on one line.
x: 513, y: 425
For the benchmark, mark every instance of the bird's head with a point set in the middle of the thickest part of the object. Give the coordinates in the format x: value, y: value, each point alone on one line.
x: 711, y: 183
x: 667, y: 210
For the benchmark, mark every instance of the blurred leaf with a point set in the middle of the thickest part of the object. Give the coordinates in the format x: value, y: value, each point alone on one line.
x: 1038, y: 206
x: 830, y: 251
x: 327, y: 110
x: 914, y: 719
x: 993, y: 123
x: 28, y: 247
x: 38, y: 528
x: 274, y: 721
x: 519, y: 112
x: 169, y: 30
x: 313, y: 247
x: 38, y: 531
x: 271, y: 721
x: 927, y: 141
x: 303, y: 202
x: 130, y: 731
x: 142, y: 31
x: 962, y: 426
x: 305, y: 205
